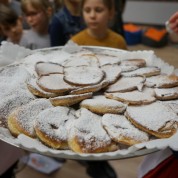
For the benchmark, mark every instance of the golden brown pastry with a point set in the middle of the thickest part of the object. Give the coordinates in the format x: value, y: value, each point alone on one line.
x: 101, y: 105
x: 125, y: 84
x: 88, y: 136
x: 122, y: 131
x: 44, y: 68
x: 54, y: 83
x: 83, y: 75
x: 21, y: 119
x: 156, y: 119
x: 52, y: 125
x: 69, y: 100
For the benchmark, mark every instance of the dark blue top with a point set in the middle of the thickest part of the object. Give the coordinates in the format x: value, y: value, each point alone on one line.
x: 63, y: 26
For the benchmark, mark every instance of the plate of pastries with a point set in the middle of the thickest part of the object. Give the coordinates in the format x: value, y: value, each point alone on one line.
x: 89, y: 103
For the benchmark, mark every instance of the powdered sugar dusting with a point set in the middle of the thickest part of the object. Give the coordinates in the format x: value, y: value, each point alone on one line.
x: 162, y: 81
x: 112, y: 72
x: 125, y: 84
x: 54, y: 83
x: 103, y: 103
x: 83, y: 75
x: 92, y: 133
x: 55, y: 122
x: 145, y: 71
x: 27, y: 114
x: 153, y: 116
x: 12, y: 101
x: 118, y: 127
x: 167, y: 93
x: 132, y: 97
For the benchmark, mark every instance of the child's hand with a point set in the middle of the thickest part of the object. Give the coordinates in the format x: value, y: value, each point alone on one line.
x: 173, y: 22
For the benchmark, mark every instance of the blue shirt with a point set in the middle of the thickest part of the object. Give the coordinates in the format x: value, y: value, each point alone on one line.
x: 63, y: 26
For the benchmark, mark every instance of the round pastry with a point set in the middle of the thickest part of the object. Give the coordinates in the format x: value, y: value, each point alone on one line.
x: 54, y: 83
x: 156, y: 119
x: 83, y: 75
x: 144, y: 71
x: 106, y: 59
x: 125, y: 84
x: 132, y: 97
x: 91, y: 88
x: 52, y: 125
x: 44, y: 68
x: 21, y: 120
x: 134, y: 62
x: 102, y: 105
x: 128, y: 68
x: 11, y: 102
x: 88, y: 136
x: 112, y: 72
x: 122, y: 131
x: 69, y: 100
x: 166, y: 93
x: 162, y: 81
x: 37, y: 91
x: 82, y: 60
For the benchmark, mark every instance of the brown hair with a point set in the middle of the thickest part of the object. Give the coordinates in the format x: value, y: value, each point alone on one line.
x: 37, y: 4
x: 108, y: 3
x: 8, y: 16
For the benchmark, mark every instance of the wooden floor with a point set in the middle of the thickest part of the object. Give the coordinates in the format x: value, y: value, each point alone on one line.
x: 126, y: 168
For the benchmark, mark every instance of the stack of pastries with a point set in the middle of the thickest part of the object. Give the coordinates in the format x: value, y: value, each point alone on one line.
x: 91, y: 102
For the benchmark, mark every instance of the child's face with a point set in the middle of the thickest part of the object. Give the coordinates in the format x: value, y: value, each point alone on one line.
x: 96, y: 15
x: 14, y: 31
x: 37, y: 19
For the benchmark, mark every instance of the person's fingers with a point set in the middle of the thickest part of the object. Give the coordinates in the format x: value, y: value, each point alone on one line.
x: 174, y: 17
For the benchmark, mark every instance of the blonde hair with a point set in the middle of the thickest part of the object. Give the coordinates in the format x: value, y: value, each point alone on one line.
x: 37, y: 4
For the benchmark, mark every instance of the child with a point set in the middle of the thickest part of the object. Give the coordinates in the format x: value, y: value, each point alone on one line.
x: 97, y: 14
x: 10, y: 24
x: 65, y: 23
x: 37, y: 14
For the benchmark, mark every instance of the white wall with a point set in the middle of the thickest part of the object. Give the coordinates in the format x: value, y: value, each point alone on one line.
x: 149, y: 12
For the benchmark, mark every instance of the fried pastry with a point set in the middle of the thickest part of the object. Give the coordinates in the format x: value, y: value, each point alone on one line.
x: 91, y: 88
x: 144, y: 71
x: 52, y: 125
x: 83, y: 75
x: 102, y: 105
x: 106, y: 59
x: 132, y: 97
x: 162, y: 81
x: 44, y: 68
x: 21, y: 120
x: 112, y: 72
x: 82, y: 60
x: 69, y: 100
x: 156, y: 119
x: 54, y: 83
x: 134, y: 62
x: 166, y: 93
x: 37, y: 91
x: 122, y: 131
x: 125, y: 84
x: 88, y: 136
